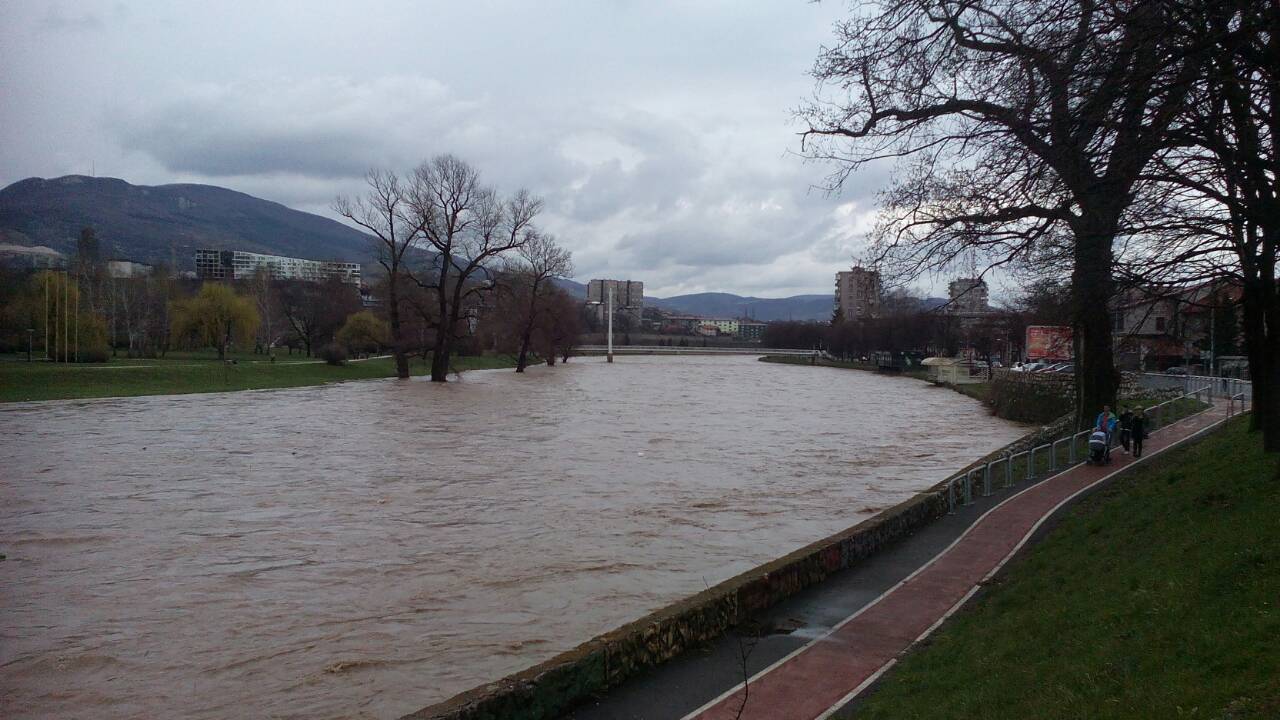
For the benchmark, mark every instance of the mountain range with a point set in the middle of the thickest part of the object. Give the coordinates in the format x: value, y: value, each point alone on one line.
x: 168, y: 223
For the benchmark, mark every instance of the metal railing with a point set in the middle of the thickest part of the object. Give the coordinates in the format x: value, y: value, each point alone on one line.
x: 1225, y: 386
x: 1067, y: 452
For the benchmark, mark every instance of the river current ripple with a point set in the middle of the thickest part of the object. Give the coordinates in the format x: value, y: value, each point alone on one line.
x: 366, y: 549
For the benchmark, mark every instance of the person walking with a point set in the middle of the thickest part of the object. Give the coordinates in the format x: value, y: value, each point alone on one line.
x: 1126, y: 421
x: 1104, y: 419
x: 1106, y: 422
x: 1138, y: 431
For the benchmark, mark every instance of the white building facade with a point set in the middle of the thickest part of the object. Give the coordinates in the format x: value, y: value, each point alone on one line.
x: 241, y: 265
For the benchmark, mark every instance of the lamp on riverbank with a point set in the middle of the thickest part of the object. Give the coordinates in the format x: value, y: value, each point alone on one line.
x: 609, y: 355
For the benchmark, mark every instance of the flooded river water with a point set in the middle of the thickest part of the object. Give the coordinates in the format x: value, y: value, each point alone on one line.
x: 366, y: 549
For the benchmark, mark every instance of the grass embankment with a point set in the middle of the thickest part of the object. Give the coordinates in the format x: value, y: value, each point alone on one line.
x: 194, y: 373
x: 1158, y: 597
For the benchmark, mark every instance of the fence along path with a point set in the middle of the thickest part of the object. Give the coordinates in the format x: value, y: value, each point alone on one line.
x: 819, y: 678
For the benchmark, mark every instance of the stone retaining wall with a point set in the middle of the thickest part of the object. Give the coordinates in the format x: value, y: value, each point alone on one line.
x: 550, y: 688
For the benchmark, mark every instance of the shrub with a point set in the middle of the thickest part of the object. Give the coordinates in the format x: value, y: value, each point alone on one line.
x: 363, y: 332
x: 333, y: 353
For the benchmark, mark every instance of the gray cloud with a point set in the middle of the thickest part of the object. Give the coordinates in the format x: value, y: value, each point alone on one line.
x: 57, y: 19
x: 658, y: 133
x: 321, y: 127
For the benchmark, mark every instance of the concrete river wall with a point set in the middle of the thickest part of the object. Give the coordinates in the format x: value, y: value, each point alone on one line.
x: 545, y: 691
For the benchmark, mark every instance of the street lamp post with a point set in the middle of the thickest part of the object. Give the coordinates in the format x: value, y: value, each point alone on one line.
x: 609, y: 311
x: 30, y: 334
x: 609, y: 356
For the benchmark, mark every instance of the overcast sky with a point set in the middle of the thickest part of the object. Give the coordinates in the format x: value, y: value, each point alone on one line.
x: 660, y: 133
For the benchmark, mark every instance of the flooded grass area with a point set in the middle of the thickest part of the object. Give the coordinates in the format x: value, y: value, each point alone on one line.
x: 197, y: 373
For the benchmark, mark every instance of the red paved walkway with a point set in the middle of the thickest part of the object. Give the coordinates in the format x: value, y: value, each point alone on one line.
x: 828, y: 672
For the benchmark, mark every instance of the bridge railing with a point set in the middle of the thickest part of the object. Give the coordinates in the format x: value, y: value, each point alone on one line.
x: 1067, y: 452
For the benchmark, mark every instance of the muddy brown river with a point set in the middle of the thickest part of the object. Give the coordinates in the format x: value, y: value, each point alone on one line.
x: 366, y: 549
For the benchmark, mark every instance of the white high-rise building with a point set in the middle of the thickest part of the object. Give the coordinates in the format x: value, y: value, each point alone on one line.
x: 968, y: 295
x: 241, y: 265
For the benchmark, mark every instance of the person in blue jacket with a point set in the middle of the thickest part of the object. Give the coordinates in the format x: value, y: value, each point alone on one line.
x: 1105, y: 418
x: 1107, y: 422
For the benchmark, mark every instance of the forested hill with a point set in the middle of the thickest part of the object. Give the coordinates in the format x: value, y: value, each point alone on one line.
x: 797, y: 307
x: 728, y: 305
x: 166, y: 223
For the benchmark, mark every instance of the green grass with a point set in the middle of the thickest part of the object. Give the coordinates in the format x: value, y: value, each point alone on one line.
x: 808, y: 360
x: 1158, y: 597
x: 196, y: 373
x: 978, y: 391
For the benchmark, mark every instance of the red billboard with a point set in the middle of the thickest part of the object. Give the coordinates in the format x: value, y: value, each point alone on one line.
x: 1049, y: 342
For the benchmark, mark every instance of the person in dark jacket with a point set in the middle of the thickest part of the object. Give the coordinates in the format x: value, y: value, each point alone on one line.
x: 1138, y: 431
x: 1126, y: 421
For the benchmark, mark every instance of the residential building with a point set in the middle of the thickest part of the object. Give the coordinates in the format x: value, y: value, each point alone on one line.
x: 968, y: 295
x: 628, y: 299
x: 24, y: 256
x: 1157, y: 330
x: 857, y: 293
x: 751, y: 330
x: 241, y: 265
x: 127, y: 269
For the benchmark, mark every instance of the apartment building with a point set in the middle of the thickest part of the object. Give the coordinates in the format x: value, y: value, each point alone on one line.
x: 241, y: 265
x: 857, y: 293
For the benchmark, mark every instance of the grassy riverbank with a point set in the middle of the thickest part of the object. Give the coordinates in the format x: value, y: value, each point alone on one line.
x: 920, y: 374
x: 196, y: 373
x: 1158, y: 597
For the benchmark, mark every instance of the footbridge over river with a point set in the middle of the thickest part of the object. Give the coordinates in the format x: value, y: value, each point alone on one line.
x: 587, y: 350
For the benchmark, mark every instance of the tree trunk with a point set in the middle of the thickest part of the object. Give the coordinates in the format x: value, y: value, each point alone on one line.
x: 1255, y: 346
x: 1091, y: 294
x: 397, y: 336
x: 444, y: 344
x: 448, y: 320
x: 440, y: 357
x: 527, y: 336
x: 1268, y: 406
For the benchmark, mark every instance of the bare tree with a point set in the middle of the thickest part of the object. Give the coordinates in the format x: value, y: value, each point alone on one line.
x: 1216, y: 194
x: 264, y: 297
x: 541, y: 262
x: 383, y: 212
x: 467, y: 226
x: 315, y: 310
x: 1023, y: 123
x: 559, y: 326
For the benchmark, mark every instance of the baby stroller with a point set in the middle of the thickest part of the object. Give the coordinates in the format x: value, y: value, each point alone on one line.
x: 1098, y: 443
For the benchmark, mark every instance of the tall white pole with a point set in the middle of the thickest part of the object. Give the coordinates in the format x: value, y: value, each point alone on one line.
x: 609, y: 357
